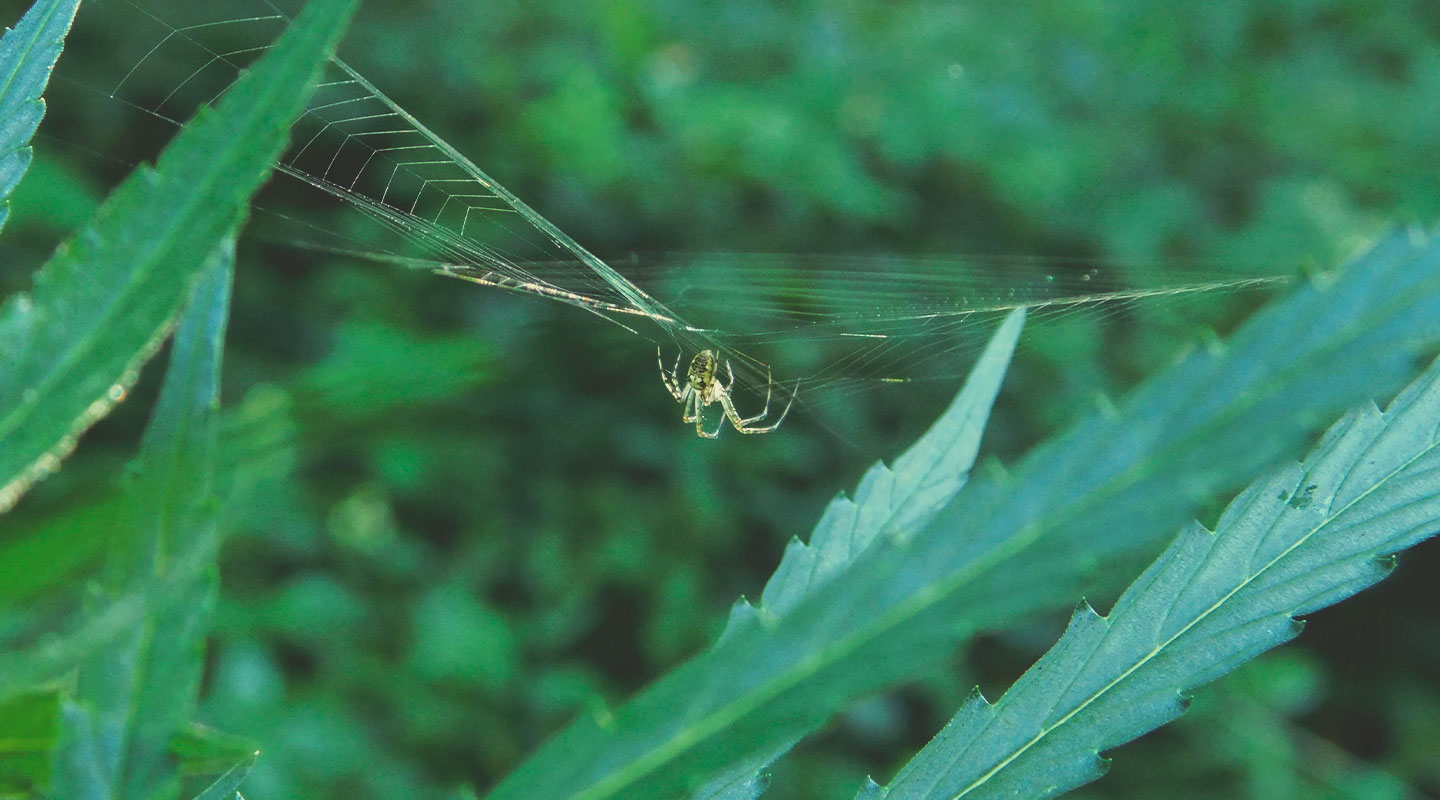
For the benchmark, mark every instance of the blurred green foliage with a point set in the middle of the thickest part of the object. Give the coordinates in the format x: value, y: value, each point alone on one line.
x: 481, y: 513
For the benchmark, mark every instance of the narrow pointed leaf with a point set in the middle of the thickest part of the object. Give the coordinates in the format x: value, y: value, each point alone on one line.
x: 1304, y: 537
x: 888, y: 501
x: 137, y: 694
x: 1013, y: 544
x: 106, y: 299
x: 27, y: 54
x: 901, y: 500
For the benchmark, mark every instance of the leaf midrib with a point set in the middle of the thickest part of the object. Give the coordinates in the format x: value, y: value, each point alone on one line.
x: 1201, y: 617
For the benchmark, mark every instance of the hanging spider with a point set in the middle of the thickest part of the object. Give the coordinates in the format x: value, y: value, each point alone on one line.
x: 702, y: 387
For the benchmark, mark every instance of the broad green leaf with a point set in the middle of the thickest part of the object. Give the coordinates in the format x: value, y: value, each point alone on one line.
x: 54, y: 655
x: 1013, y: 544
x: 27, y: 54
x: 1255, y: 722
x: 925, y: 478
x: 135, y: 695
x: 27, y: 736
x: 377, y: 370
x: 106, y: 299
x: 1302, y: 538
x: 29, y: 727
x: 257, y: 443
x: 43, y: 555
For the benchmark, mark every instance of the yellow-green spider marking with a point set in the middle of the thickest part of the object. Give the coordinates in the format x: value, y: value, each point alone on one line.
x: 702, y: 387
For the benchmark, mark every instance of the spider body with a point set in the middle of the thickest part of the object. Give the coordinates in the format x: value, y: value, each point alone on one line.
x: 703, y: 369
x: 702, y: 387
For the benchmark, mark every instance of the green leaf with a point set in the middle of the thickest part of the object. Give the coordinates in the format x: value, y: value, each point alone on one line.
x: 59, y: 652
x: 27, y: 54
x: 29, y: 729
x: 202, y: 750
x: 227, y: 786
x: 1302, y: 538
x: 373, y: 370
x: 46, y: 553
x: 1011, y: 545
x: 134, y: 696
x: 105, y: 300
x: 257, y: 443
x: 27, y: 736
x: 745, y: 781
x: 925, y: 479
x: 900, y: 501
x: 1255, y: 722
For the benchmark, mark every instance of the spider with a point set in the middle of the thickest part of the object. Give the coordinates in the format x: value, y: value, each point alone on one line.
x: 702, y: 387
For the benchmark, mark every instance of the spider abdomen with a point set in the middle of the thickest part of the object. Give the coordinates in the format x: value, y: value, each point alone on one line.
x: 702, y: 371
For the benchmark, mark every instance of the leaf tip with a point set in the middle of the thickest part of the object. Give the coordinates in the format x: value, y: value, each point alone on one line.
x: 743, y: 615
x: 976, y: 699
x: 871, y: 790
x: 1084, y: 609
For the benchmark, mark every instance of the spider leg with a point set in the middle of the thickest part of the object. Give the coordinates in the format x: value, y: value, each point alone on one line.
x: 695, y: 402
x: 660, y: 362
x: 764, y: 412
x: 670, y: 379
x: 700, y: 425
x: 691, y: 399
x: 744, y: 425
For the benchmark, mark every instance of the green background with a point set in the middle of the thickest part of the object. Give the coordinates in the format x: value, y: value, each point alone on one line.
x: 481, y: 513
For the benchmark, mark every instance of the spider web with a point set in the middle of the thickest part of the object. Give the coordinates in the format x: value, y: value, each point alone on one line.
x: 831, y: 323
